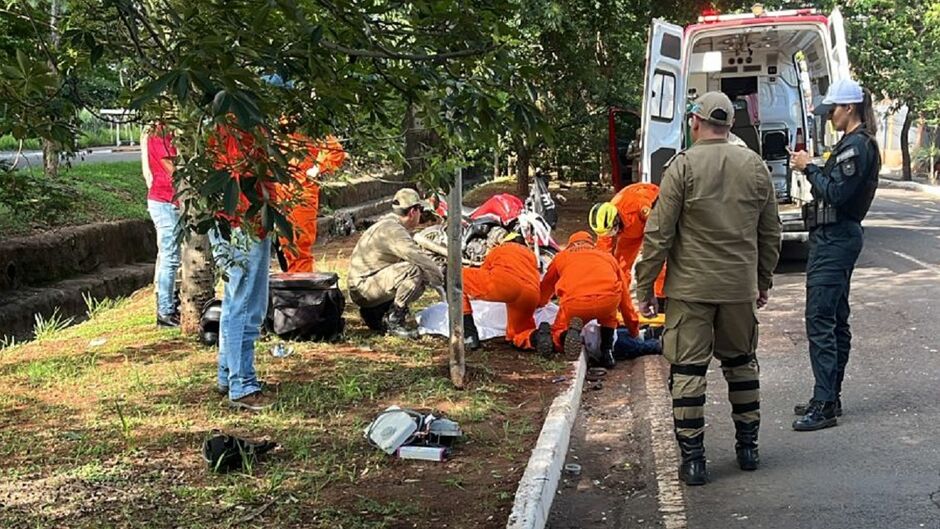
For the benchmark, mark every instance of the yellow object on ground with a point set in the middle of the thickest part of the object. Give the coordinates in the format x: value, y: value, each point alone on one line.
x: 657, y: 321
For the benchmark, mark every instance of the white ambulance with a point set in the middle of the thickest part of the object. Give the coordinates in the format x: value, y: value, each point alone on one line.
x: 775, y: 66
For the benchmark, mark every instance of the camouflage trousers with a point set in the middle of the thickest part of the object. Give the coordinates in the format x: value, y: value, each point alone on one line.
x: 694, y: 333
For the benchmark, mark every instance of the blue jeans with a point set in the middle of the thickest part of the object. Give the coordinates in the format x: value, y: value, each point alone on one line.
x: 166, y: 220
x: 247, y: 263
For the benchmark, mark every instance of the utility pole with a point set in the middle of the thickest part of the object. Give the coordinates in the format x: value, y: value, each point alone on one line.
x: 455, y: 281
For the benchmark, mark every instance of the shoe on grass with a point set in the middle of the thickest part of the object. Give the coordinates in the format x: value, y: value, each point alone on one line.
x: 256, y: 401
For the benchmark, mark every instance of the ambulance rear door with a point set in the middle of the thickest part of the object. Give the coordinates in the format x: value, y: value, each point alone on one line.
x: 663, y: 99
x: 840, y: 52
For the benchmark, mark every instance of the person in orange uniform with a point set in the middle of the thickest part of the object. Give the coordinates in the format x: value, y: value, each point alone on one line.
x: 619, y: 226
x: 589, y: 285
x: 316, y: 159
x: 510, y: 275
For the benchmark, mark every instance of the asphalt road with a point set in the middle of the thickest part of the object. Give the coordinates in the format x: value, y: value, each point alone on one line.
x: 879, y: 468
x: 98, y: 155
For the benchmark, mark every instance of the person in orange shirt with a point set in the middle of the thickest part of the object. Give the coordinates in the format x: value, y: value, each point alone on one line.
x: 245, y: 256
x: 589, y: 285
x: 619, y: 226
x: 310, y: 161
x: 510, y: 275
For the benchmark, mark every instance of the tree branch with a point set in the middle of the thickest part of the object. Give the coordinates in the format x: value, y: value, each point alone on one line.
x: 389, y: 54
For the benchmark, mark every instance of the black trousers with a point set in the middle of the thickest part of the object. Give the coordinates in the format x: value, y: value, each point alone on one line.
x: 834, y: 250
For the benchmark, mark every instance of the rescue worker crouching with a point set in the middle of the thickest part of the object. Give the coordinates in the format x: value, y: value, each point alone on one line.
x: 589, y: 285
x: 388, y: 271
x: 844, y: 190
x: 509, y: 275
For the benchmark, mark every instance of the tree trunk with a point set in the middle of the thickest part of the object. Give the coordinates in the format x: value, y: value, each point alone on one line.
x: 496, y: 163
x: 198, y: 274
x: 413, y: 160
x: 50, y: 158
x: 51, y: 149
x: 522, y: 168
x: 905, y: 145
x: 455, y: 286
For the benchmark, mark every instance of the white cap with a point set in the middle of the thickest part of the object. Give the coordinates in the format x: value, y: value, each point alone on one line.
x: 841, y: 92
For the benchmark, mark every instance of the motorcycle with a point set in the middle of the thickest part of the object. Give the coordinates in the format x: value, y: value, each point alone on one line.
x: 485, y: 227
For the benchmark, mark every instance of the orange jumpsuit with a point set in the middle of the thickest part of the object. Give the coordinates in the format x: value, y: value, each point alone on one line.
x: 509, y: 275
x: 327, y: 156
x: 634, y: 204
x: 589, y: 285
x: 234, y: 150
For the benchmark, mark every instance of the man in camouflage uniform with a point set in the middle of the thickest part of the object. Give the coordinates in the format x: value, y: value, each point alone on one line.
x: 716, y: 223
x: 387, y: 269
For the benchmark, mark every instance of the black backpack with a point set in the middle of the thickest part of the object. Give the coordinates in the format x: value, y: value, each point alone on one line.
x: 225, y: 453
x: 306, y: 306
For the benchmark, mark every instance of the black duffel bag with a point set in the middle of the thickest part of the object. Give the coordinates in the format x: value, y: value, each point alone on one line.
x: 306, y: 306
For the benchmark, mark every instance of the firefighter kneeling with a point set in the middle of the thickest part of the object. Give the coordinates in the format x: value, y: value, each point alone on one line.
x: 589, y: 285
x: 509, y: 275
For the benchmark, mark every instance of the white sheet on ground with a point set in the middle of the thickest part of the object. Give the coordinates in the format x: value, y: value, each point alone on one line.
x: 490, y: 319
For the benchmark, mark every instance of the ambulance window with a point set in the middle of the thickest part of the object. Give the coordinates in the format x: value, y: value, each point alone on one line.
x: 663, y: 100
x: 671, y: 47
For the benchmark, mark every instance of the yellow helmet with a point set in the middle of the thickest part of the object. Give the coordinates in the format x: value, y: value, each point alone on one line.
x: 603, y: 218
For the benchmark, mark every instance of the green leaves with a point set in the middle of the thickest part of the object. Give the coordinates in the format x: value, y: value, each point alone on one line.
x: 153, y: 89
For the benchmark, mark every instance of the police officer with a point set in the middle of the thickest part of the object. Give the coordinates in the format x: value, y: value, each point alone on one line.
x: 843, y: 190
x: 716, y: 221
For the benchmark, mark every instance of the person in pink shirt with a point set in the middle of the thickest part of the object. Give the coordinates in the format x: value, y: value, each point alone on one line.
x: 164, y: 211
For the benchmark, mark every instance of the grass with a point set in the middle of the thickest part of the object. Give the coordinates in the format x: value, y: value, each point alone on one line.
x: 83, y: 193
x: 114, y: 404
x: 47, y: 328
x: 94, y: 307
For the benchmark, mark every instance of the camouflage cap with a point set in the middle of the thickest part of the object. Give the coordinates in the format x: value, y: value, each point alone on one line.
x: 715, y: 108
x: 407, y: 198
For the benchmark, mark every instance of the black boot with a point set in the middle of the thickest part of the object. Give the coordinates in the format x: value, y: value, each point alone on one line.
x: 692, y: 468
x: 471, y: 338
x: 800, y: 409
x: 374, y: 317
x: 605, y: 357
x: 172, y: 320
x: 746, y: 445
x: 543, y: 340
x: 818, y: 415
x: 396, y: 323
x: 572, y: 343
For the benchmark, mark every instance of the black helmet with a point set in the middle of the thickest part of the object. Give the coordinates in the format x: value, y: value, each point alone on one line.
x: 209, y: 322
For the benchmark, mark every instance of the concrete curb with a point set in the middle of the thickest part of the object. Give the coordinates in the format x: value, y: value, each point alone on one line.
x: 537, y: 487
x: 910, y: 186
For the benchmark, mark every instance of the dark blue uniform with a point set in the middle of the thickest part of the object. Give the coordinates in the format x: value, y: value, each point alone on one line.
x: 844, y: 190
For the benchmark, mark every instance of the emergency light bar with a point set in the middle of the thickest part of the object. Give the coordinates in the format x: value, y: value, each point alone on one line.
x: 713, y: 16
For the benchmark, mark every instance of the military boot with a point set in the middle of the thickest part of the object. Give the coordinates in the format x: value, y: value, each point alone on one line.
x: 800, y: 409
x: 471, y: 338
x: 692, y: 468
x: 543, y: 340
x: 746, y: 445
x: 605, y: 357
x: 374, y: 317
x: 818, y: 415
x: 396, y: 323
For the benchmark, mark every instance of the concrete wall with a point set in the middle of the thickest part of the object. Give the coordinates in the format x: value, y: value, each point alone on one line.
x: 53, y: 270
